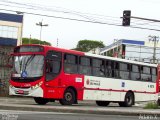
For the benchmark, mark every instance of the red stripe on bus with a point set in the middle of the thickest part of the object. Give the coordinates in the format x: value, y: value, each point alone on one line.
x: 119, y: 90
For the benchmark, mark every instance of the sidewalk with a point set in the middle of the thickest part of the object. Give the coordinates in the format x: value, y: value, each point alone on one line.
x: 86, y: 107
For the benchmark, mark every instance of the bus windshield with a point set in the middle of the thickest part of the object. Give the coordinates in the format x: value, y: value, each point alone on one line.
x: 28, y: 66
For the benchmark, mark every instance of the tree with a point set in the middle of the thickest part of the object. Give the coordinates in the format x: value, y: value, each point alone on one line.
x: 34, y: 41
x: 87, y: 45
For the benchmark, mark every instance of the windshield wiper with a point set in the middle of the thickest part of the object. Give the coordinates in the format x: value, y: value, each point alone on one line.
x: 20, y: 63
x: 28, y: 62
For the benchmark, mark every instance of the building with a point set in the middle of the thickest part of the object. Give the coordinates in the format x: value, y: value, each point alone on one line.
x: 133, y: 50
x: 10, y: 36
x: 10, y: 29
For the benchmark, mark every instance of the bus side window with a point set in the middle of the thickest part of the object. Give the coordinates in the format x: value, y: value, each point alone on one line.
x: 124, y: 71
x: 53, y: 64
x: 135, y: 72
x: 98, y: 67
x: 109, y: 68
x: 116, y: 70
x: 48, y: 66
x: 154, y: 74
x: 85, y: 65
x: 145, y: 73
x: 70, y: 63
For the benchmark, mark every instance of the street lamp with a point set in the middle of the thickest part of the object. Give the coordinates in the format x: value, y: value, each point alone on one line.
x: 41, y: 25
x: 21, y: 13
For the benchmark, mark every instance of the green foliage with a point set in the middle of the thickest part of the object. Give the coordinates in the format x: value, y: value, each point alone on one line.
x: 34, y: 41
x: 151, y: 105
x: 87, y: 45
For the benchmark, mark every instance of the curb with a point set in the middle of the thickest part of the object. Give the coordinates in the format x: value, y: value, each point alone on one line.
x: 66, y: 109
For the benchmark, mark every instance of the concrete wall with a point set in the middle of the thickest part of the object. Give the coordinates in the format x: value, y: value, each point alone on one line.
x: 5, y: 71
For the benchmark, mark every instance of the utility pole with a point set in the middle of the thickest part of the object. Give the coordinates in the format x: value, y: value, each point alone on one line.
x: 41, y: 25
x: 116, y: 52
x: 30, y: 39
x: 155, y: 40
x: 57, y: 42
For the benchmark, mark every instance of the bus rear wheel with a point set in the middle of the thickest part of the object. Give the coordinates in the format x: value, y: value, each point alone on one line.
x: 128, y: 101
x: 41, y: 101
x: 69, y: 97
x: 102, y: 103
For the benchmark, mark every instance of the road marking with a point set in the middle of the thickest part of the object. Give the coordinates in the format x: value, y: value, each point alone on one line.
x: 29, y: 112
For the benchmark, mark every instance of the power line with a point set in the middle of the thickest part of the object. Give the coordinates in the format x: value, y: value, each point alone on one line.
x: 143, y: 28
x: 138, y: 22
x: 84, y: 16
x: 91, y: 17
x: 88, y: 16
x: 50, y: 8
x: 63, y: 17
x: 17, y: 6
x: 146, y: 24
x: 80, y: 20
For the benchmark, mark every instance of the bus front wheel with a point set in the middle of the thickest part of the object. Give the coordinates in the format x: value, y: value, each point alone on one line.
x: 69, y: 97
x: 41, y: 101
x: 102, y: 103
x: 128, y: 101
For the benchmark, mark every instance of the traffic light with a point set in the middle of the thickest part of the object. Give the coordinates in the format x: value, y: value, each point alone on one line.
x: 126, y: 17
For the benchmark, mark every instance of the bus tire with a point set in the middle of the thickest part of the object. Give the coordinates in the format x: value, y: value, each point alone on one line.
x: 41, y: 101
x: 158, y: 102
x: 128, y: 101
x: 121, y: 104
x: 102, y: 103
x: 69, y: 97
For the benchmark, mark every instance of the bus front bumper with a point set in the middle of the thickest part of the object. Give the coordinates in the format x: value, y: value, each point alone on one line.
x: 38, y: 92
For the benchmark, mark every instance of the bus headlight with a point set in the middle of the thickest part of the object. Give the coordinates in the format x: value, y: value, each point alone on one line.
x: 37, y: 85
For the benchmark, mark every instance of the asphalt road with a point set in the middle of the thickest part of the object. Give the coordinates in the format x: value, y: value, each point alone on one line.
x: 84, y: 107
x: 30, y: 115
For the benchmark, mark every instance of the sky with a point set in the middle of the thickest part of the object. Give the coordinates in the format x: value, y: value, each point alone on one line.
x: 69, y: 32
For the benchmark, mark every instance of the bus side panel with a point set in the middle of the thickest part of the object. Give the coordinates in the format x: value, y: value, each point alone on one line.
x: 98, y: 88
x: 110, y: 89
x: 54, y: 92
x: 55, y: 88
x: 75, y: 81
x: 145, y: 97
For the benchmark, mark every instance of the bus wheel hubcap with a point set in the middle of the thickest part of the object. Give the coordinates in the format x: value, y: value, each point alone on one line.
x: 68, y: 96
x: 129, y: 100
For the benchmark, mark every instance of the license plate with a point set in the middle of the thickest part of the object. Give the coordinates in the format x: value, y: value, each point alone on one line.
x: 20, y: 91
x: 16, y: 75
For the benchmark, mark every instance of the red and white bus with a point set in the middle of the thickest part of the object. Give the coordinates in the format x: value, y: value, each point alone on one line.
x: 48, y: 73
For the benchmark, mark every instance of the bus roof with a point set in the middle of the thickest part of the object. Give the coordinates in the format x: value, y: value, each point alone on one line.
x: 120, y: 60
x: 46, y: 47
